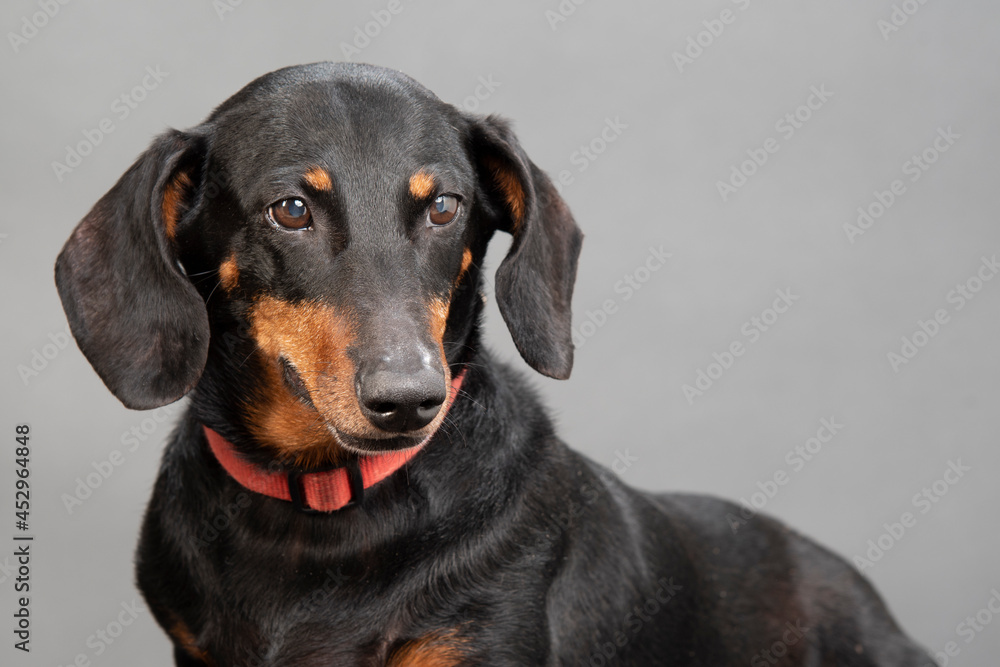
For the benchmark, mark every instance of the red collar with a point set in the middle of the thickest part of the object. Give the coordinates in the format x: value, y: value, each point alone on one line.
x: 325, y: 491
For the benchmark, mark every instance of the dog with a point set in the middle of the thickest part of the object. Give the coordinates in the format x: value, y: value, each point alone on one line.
x: 356, y: 480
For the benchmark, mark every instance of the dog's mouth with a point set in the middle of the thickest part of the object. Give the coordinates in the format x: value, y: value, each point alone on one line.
x: 373, y: 443
x: 369, y: 446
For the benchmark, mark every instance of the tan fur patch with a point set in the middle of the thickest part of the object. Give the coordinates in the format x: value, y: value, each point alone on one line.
x: 437, y: 649
x: 510, y: 185
x: 183, y: 636
x: 319, y: 178
x: 173, y: 194
x: 286, y: 425
x: 313, y: 338
x: 466, y: 262
x: 438, y: 310
x: 421, y: 185
x: 229, y: 273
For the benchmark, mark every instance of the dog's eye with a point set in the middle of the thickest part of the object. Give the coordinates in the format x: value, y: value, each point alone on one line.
x: 443, y: 210
x: 290, y: 213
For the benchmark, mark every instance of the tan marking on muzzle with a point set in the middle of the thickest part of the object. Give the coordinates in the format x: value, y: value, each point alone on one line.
x: 437, y: 311
x: 280, y: 421
x: 438, y: 318
x: 313, y: 338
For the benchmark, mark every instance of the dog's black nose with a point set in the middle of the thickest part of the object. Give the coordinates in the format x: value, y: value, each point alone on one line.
x: 401, y: 402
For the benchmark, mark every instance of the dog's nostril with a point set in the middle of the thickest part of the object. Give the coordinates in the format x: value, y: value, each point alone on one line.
x: 383, y: 408
x: 400, y: 402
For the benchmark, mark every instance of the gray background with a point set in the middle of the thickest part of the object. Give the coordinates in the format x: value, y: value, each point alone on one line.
x: 654, y: 185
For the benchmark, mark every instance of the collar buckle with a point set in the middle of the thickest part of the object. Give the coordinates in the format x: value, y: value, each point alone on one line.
x: 297, y: 492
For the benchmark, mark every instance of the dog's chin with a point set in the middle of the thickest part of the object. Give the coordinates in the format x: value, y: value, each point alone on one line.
x: 372, y: 446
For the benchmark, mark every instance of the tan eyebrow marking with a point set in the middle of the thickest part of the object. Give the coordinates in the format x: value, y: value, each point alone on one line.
x: 421, y: 185
x: 319, y: 178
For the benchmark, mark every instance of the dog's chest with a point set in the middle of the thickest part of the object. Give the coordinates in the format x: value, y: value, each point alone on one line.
x: 312, y: 646
x: 324, y: 631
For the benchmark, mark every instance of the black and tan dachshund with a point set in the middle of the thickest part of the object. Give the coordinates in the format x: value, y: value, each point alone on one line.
x: 356, y: 480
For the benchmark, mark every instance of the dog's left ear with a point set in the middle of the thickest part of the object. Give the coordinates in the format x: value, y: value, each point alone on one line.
x: 534, y: 284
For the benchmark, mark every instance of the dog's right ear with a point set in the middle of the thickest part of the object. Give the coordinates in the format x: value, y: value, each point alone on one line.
x: 135, y: 315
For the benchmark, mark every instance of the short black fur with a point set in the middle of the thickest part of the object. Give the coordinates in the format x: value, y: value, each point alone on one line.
x: 496, y: 535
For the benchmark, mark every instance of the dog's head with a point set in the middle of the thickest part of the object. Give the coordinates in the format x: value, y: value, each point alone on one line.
x: 309, y: 256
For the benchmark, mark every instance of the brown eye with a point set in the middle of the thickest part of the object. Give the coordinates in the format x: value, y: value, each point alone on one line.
x: 290, y: 214
x: 443, y: 210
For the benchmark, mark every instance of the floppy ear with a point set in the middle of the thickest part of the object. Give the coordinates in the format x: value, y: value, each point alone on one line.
x: 134, y: 313
x: 534, y: 284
